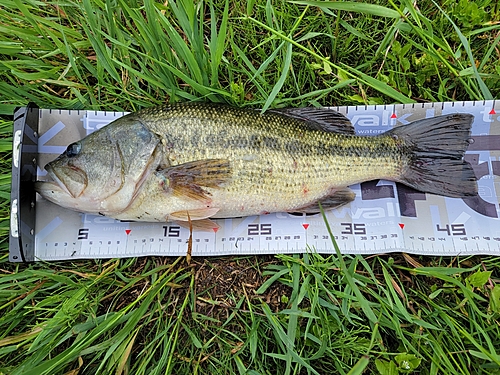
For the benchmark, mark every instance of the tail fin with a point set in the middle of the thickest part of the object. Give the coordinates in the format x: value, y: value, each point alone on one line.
x: 437, y: 147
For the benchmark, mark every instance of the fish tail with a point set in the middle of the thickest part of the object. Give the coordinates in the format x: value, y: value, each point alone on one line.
x: 437, y: 147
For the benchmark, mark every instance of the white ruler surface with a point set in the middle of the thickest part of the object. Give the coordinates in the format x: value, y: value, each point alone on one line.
x: 385, y: 216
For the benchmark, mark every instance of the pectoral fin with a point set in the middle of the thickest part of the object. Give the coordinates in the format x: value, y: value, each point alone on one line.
x: 337, y: 199
x: 188, y: 179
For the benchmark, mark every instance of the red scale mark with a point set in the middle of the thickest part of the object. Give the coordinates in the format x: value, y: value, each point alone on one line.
x: 128, y: 231
x: 401, y: 225
x: 305, y: 189
x: 215, y: 229
x: 305, y: 226
x: 394, y: 116
x: 492, y: 112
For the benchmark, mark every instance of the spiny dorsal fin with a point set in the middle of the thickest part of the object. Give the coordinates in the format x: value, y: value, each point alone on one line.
x: 324, y: 119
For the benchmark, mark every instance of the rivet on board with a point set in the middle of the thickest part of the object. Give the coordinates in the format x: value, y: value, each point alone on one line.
x: 32, y: 204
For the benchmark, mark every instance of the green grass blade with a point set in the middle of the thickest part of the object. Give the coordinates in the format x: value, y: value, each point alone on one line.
x: 284, y: 74
x: 351, y: 6
x: 360, y: 366
x: 217, y: 40
x: 365, y: 306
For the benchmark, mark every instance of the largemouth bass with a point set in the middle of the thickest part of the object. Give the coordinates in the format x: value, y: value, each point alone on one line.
x: 193, y: 162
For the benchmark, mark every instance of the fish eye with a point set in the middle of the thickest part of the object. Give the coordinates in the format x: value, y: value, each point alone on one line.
x: 73, y: 149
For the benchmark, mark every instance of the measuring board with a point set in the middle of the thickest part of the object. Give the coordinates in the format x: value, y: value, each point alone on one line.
x: 384, y: 217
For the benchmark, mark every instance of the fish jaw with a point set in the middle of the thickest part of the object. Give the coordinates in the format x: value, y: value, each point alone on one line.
x: 71, y: 179
x: 68, y: 195
x: 56, y: 192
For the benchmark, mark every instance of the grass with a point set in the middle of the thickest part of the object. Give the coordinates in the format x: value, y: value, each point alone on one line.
x: 300, y: 314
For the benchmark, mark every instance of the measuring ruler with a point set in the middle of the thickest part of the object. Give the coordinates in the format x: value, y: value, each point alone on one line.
x: 384, y: 217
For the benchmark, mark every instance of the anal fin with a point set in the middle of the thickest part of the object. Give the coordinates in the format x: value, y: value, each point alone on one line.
x: 337, y: 199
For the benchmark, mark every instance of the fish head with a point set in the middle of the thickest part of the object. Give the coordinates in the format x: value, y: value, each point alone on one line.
x: 103, y: 172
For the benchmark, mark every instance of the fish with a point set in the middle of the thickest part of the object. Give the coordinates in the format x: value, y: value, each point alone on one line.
x: 195, y: 162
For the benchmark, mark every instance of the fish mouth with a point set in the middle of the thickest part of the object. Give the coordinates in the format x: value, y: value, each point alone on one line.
x: 57, y: 181
x: 68, y: 195
x: 76, y: 177
x: 42, y: 187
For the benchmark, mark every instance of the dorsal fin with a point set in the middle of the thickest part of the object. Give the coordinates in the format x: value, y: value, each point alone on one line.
x: 324, y: 119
